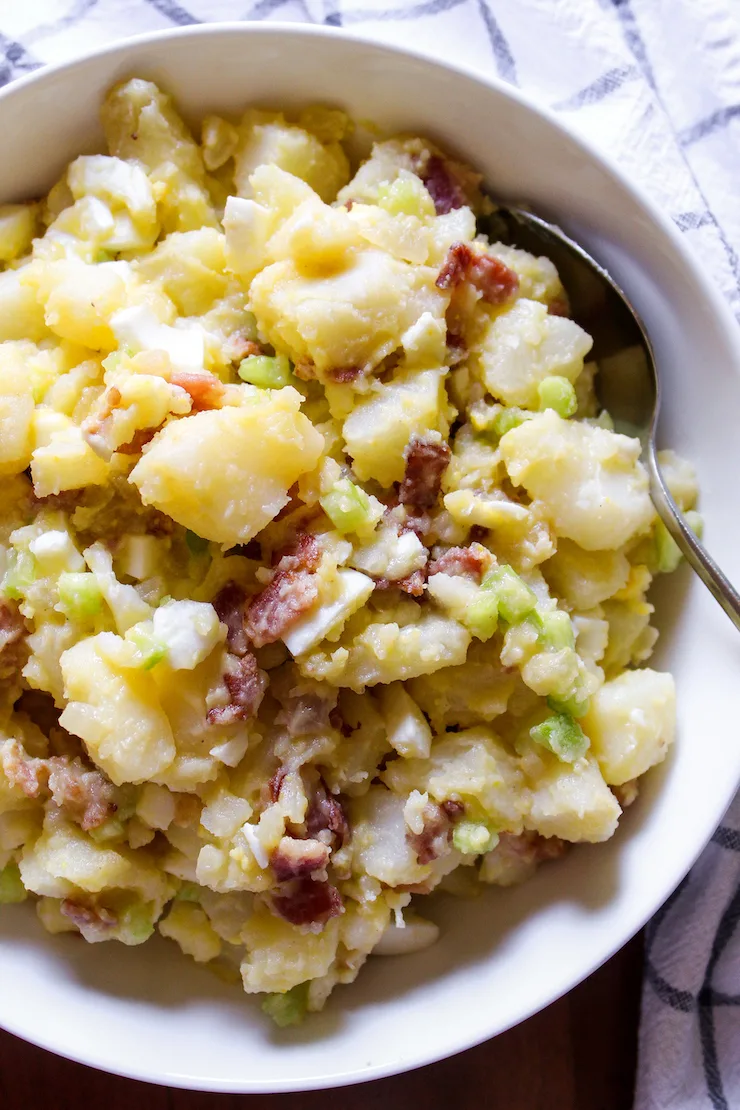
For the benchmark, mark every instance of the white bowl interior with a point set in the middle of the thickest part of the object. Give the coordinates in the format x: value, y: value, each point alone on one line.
x: 151, y: 1014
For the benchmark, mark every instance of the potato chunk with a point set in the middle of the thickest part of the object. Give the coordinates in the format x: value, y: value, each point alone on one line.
x: 226, y: 473
x: 593, y: 486
x: 631, y: 723
x: 16, y: 410
x: 266, y: 139
x: 572, y: 801
x: 116, y: 711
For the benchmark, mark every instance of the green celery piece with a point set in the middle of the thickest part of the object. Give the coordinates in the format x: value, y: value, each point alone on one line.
x: 577, y: 707
x: 481, y: 615
x: 515, y: 599
x: 557, y: 393
x: 188, y: 892
x: 404, y: 197
x: 472, y: 838
x: 79, y: 595
x: 557, y: 630
x: 667, y: 553
x: 21, y: 574
x: 151, y: 651
x: 346, y: 505
x: 288, y: 1008
x: 266, y: 371
x: 508, y: 419
x: 12, y: 889
x: 135, y: 922
x: 561, y: 735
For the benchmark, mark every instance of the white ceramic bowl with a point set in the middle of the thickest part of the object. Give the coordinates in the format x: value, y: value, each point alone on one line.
x: 149, y: 1013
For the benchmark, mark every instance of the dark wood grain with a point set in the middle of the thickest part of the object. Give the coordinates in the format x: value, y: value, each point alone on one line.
x: 579, y: 1054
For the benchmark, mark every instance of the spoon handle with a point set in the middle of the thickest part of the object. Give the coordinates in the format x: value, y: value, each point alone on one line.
x: 696, y: 555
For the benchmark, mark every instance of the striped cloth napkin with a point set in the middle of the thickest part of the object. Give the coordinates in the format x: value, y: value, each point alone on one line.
x: 656, y: 83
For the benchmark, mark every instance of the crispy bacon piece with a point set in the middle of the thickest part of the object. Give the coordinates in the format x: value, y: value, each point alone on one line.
x: 294, y: 859
x: 205, y: 390
x: 229, y: 604
x: 433, y: 841
x: 275, y: 784
x: 426, y: 462
x: 23, y: 770
x: 12, y: 630
x: 326, y: 814
x: 344, y: 374
x: 86, y: 796
x: 237, y: 347
x: 493, y: 279
x: 307, y: 901
x: 412, y: 584
x: 290, y: 593
x: 442, y: 186
x: 246, y: 684
x: 94, y: 923
x: 453, y: 809
x: 459, y: 560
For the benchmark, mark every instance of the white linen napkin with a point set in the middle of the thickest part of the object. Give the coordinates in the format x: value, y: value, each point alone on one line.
x: 656, y: 83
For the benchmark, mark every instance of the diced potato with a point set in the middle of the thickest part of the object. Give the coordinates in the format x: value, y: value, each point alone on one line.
x: 116, y: 712
x: 473, y: 767
x: 62, y: 458
x: 631, y: 723
x: 379, y: 843
x: 80, y: 299
x: 378, y: 429
x: 16, y: 410
x: 18, y: 224
x: 21, y: 314
x: 279, y: 956
x: 572, y: 801
x: 524, y: 345
x: 408, y: 730
x: 478, y: 690
x: 584, y: 578
x: 126, y: 190
x: 594, y: 488
x: 265, y: 138
x: 190, y: 266
x: 226, y: 473
x: 351, y: 317
x: 188, y: 925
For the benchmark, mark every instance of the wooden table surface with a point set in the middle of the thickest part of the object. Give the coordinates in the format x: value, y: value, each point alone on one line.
x: 579, y: 1054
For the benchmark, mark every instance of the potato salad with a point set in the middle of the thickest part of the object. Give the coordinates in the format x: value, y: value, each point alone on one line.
x: 322, y: 573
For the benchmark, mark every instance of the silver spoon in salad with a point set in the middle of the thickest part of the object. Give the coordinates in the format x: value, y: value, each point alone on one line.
x: 628, y: 384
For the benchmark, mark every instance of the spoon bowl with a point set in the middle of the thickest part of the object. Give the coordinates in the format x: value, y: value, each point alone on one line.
x: 627, y: 383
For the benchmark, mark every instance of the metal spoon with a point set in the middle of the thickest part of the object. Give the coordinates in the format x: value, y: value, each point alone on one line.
x: 627, y: 384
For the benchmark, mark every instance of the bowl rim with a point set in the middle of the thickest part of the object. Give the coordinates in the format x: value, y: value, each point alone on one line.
x: 722, y: 315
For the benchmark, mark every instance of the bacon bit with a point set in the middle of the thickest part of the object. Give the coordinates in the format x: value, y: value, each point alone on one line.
x: 141, y: 437
x: 559, y: 306
x: 307, y: 714
x: 412, y: 584
x: 305, y: 369
x: 94, y: 922
x: 229, y: 604
x: 12, y: 630
x: 326, y: 814
x: 246, y: 684
x: 531, y: 847
x: 433, y: 840
x: 290, y: 593
x: 442, y: 186
x: 626, y: 793
x: 349, y: 204
x: 22, y: 770
x: 238, y: 346
x: 418, y: 523
x: 275, y: 784
x: 344, y: 374
x: 308, y: 902
x: 453, y: 809
x: 86, y: 796
x: 426, y: 462
x: 294, y: 859
x: 459, y: 560
x: 205, y: 390
x: 493, y: 279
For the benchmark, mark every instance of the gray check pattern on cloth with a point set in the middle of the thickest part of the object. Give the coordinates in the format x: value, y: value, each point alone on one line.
x: 656, y: 84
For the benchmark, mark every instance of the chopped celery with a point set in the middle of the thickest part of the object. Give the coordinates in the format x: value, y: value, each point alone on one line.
x: 406, y: 197
x: 667, y: 554
x: 196, y: 544
x: 515, y: 599
x: 135, y: 922
x: 557, y: 393
x: 150, y: 651
x: 79, y: 595
x: 504, y: 421
x: 472, y: 838
x: 266, y: 371
x: 557, y: 630
x: 346, y: 505
x: 577, y: 707
x: 11, y: 885
x: 695, y: 522
x: 188, y: 892
x: 21, y: 574
x: 561, y: 735
x: 112, y: 829
x: 288, y: 1008
x: 481, y: 615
